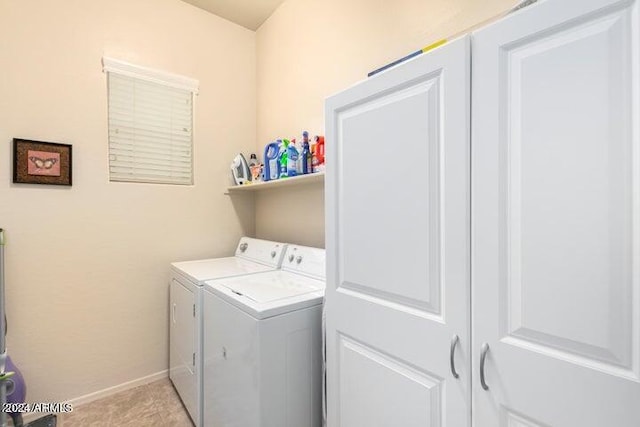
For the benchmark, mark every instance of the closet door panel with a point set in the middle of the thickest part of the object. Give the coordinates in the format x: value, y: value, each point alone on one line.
x: 397, y: 202
x: 556, y: 235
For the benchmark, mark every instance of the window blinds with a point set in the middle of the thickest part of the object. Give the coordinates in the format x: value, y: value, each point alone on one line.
x: 150, y: 125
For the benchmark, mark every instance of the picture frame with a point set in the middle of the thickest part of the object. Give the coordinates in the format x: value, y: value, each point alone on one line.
x: 39, y: 162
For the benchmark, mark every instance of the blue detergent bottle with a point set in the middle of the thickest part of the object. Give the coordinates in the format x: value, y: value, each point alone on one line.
x: 271, y: 161
x: 292, y: 160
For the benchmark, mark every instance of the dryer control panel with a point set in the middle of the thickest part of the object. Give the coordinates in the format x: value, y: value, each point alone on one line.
x: 262, y: 251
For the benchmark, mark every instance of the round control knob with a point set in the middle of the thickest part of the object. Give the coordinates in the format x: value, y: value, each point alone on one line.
x: 299, y: 259
x: 244, y: 246
x: 291, y: 258
x: 273, y: 254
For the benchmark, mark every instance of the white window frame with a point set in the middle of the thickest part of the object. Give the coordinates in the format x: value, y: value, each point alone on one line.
x: 122, y: 68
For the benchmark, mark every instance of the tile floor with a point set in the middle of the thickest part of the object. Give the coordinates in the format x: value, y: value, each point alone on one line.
x: 153, y: 405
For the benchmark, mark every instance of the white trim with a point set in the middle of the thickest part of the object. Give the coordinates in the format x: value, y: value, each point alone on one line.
x: 106, y: 392
x: 110, y: 65
x: 109, y: 391
x: 28, y: 417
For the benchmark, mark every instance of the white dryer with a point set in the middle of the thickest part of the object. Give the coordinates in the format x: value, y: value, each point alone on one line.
x: 263, y: 345
x: 185, y: 331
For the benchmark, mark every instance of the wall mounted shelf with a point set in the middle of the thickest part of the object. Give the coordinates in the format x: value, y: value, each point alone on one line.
x: 278, y: 183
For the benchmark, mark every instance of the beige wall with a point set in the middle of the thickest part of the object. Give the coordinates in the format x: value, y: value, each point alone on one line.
x: 310, y: 49
x: 87, y: 266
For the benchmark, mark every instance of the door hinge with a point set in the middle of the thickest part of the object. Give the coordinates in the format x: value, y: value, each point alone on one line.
x: 194, y: 359
x: 194, y: 310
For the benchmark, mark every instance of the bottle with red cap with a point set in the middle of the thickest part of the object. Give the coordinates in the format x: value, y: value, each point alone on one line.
x: 318, y: 154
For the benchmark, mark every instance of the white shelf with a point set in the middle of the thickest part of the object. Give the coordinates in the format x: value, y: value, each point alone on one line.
x: 278, y: 183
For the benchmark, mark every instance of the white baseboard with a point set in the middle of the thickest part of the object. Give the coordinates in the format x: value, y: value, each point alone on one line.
x: 109, y: 391
x: 77, y: 401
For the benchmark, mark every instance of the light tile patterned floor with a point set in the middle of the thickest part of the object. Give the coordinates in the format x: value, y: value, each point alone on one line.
x: 152, y: 405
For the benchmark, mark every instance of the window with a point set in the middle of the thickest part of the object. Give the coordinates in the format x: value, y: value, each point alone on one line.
x: 150, y: 124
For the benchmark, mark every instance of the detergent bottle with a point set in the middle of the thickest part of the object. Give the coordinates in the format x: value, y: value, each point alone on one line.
x: 271, y: 161
x: 292, y: 159
x: 283, y: 159
x: 318, y: 154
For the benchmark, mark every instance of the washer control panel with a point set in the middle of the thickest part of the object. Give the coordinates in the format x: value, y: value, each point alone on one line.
x: 305, y: 260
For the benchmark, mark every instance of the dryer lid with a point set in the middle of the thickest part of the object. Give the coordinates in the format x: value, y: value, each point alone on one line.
x: 214, y: 268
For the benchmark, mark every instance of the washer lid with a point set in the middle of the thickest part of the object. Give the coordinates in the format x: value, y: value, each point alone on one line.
x: 257, y: 290
x: 269, y: 294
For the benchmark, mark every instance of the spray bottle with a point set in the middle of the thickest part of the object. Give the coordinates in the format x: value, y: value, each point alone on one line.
x: 292, y: 159
x: 283, y: 159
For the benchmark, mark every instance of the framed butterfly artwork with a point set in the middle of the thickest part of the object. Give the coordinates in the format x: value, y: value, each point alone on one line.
x: 38, y: 162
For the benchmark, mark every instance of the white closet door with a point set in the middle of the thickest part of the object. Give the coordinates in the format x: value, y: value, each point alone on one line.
x: 397, y: 200
x: 556, y: 216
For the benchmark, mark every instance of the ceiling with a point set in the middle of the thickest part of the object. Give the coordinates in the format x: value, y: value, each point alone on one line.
x: 248, y: 13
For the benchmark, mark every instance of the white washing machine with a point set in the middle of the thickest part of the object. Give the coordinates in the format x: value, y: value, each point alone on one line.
x: 263, y: 345
x: 252, y: 256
